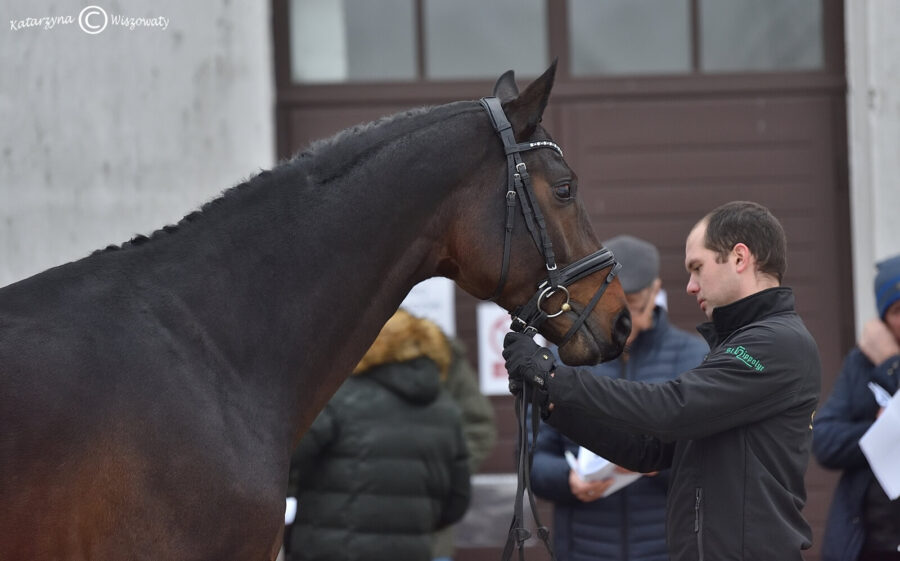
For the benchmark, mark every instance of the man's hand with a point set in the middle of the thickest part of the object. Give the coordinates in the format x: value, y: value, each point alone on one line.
x: 526, y: 362
x: 877, y: 342
x: 587, y: 491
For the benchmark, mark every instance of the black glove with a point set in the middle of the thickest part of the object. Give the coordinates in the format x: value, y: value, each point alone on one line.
x: 527, y: 362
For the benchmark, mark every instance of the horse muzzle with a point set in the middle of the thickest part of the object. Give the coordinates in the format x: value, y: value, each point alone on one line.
x: 529, y: 318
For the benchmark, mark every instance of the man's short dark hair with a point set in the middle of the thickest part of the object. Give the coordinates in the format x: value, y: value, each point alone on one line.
x: 753, y: 225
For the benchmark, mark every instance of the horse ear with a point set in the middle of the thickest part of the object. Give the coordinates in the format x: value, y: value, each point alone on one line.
x: 525, y: 111
x: 505, y: 89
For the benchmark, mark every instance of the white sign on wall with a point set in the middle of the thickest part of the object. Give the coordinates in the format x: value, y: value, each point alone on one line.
x: 493, y: 325
x: 434, y: 299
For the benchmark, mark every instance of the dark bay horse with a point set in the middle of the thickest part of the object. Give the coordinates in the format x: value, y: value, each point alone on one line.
x: 151, y: 394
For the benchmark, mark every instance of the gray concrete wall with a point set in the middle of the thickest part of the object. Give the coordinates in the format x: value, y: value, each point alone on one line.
x: 873, y: 110
x: 120, y: 132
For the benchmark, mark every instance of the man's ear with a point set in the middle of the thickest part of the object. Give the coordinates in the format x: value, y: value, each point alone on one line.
x: 742, y: 256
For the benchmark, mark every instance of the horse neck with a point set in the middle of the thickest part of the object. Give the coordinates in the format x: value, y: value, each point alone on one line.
x: 298, y: 292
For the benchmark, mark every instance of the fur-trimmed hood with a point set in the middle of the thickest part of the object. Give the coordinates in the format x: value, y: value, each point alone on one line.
x: 410, y: 356
x: 405, y: 337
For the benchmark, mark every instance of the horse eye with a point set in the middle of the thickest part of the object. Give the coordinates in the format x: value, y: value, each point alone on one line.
x: 563, y: 191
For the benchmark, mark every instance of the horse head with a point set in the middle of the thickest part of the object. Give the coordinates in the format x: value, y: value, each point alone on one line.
x: 550, y: 266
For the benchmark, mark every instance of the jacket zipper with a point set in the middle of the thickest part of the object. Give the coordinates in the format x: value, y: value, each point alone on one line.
x: 698, y: 522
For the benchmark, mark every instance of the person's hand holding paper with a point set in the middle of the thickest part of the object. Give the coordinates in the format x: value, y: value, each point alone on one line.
x: 590, y: 467
x: 588, y: 491
x: 879, y: 444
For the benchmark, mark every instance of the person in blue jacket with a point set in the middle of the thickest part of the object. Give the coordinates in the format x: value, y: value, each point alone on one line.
x: 863, y: 524
x: 628, y: 525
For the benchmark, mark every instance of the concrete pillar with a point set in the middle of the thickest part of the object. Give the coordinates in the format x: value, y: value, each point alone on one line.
x: 121, y: 132
x: 873, y: 106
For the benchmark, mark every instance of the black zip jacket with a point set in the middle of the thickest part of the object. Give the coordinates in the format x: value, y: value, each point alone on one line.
x: 735, y: 431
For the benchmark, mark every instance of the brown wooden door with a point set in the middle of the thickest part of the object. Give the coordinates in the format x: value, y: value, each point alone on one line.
x: 653, y: 155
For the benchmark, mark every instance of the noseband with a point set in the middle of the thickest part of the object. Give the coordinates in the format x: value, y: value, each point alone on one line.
x: 529, y: 317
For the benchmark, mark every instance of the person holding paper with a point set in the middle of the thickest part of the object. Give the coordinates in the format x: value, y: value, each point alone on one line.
x: 736, y: 430
x: 863, y: 523
x: 629, y: 524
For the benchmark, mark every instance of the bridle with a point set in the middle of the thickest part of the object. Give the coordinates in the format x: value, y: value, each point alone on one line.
x: 529, y: 317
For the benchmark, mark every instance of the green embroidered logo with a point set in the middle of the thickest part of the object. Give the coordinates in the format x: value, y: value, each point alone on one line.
x: 742, y: 355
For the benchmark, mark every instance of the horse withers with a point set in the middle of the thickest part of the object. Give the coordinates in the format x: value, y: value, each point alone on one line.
x: 151, y: 393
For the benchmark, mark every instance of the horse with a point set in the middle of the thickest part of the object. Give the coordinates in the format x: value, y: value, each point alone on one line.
x: 151, y: 393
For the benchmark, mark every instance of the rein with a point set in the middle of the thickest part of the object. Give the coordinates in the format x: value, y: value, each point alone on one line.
x: 518, y: 534
x: 529, y: 317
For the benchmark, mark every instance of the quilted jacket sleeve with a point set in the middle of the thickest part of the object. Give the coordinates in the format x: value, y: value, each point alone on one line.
x: 845, y: 417
x: 550, y: 471
x: 460, y: 490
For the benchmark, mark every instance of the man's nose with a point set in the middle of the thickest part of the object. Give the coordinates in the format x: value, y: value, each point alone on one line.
x: 692, y: 286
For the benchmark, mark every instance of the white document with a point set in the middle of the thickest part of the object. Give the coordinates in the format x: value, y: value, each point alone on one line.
x: 434, y: 299
x: 591, y: 467
x: 493, y: 325
x: 881, y: 445
x: 882, y: 397
x: 290, y: 510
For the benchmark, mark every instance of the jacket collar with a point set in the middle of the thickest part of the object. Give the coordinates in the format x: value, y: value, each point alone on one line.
x: 728, y: 319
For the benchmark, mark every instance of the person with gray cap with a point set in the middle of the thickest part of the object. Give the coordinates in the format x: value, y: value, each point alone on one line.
x: 863, y: 523
x: 628, y: 524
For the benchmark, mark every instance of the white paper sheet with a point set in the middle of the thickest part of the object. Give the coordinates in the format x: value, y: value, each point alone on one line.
x: 882, y: 397
x: 290, y: 510
x: 881, y: 445
x: 591, y: 467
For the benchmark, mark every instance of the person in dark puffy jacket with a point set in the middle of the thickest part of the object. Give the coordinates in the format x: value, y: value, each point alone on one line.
x: 863, y: 523
x: 629, y: 525
x: 385, y: 464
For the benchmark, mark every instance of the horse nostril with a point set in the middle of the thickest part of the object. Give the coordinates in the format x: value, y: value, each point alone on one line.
x: 623, y: 327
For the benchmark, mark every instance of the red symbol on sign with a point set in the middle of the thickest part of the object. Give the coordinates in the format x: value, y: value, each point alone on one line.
x: 498, y: 331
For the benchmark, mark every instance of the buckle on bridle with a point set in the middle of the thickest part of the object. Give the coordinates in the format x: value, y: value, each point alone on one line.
x: 519, y: 325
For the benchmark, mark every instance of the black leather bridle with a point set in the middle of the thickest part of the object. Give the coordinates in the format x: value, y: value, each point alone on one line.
x: 529, y: 317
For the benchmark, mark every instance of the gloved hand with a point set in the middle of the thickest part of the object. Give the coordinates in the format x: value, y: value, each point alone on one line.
x: 526, y: 362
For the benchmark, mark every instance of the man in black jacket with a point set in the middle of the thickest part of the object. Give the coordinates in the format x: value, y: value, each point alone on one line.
x: 735, y: 430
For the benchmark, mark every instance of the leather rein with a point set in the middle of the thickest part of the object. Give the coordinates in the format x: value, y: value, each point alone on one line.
x: 529, y: 317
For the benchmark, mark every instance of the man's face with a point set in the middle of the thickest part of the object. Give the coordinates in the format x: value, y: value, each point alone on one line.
x: 892, y: 319
x: 714, y: 284
x: 641, y: 305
